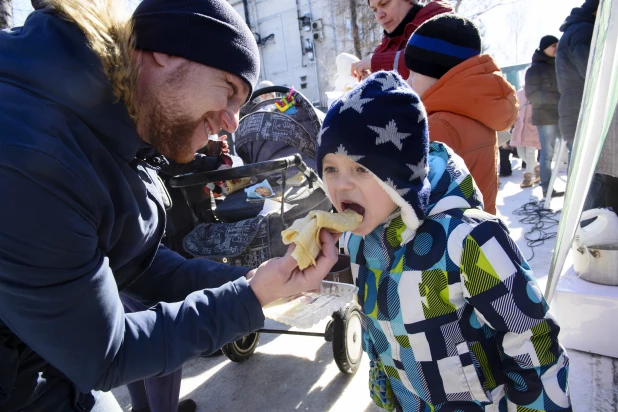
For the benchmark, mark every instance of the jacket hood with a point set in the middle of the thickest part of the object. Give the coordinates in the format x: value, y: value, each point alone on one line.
x: 540, y: 56
x: 77, y: 54
x: 452, y: 185
x: 578, y: 15
x: 494, y: 103
x: 432, y: 9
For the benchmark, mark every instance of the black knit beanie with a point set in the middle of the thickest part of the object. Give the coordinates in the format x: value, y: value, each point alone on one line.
x: 442, y: 43
x: 209, y: 32
x: 547, y: 41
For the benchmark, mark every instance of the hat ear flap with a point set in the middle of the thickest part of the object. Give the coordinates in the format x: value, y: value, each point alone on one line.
x: 408, y: 215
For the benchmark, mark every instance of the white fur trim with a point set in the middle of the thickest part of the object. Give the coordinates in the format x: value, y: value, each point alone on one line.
x: 408, y: 215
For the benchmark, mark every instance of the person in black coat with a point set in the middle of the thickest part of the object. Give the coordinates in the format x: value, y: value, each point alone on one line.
x: 571, y: 65
x: 542, y: 92
x: 193, y: 203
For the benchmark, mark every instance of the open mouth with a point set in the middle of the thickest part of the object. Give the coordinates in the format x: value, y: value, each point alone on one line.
x: 354, y: 206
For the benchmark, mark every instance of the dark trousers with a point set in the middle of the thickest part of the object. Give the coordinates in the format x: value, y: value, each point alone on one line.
x: 505, y: 160
x: 161, y: 393
x: 603, y: 192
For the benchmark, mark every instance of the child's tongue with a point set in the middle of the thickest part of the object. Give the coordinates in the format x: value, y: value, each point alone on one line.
x: 355, y: 207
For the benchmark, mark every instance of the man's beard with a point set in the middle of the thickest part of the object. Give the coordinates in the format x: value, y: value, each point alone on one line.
x: 165, y: 126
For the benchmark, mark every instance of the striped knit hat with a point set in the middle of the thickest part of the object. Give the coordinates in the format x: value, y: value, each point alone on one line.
x: 442, y: 43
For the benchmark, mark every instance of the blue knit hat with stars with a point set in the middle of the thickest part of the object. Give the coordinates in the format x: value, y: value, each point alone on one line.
x: 382, y: 125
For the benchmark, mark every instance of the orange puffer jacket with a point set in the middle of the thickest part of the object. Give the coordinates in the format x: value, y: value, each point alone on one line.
x: 466, y: 108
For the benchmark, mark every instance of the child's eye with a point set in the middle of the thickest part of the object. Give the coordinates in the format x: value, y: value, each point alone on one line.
x: 362, y: 170
x: 329, y: 169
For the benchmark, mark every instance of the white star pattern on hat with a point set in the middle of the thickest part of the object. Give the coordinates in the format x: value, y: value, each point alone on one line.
x: 341, y: 150
x: 354, y: 102
x: 320, y: 135
x: 400, y: 192
x: 422, y: 114
x: 387, y: 82
x: 390, y: 134
x: 419, y: 170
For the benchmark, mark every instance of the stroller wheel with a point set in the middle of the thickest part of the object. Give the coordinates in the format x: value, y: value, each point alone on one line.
x: 243, y: 348
x: 347, y: 338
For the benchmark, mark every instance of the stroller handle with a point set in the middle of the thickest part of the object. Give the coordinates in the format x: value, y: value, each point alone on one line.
x: 202, y: 178
x: 268, y: 89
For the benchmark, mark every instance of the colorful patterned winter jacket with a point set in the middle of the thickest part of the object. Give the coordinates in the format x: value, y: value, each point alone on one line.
x: 454, y: 320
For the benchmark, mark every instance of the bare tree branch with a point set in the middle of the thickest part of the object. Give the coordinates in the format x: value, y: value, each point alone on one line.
x: 354, y: 26
x: 457, y: 5
x: 6, y: 14
x: 473, y: 9
x: 480, y: 13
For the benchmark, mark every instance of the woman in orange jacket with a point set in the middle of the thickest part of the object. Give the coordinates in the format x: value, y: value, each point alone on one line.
x: 466, y: 97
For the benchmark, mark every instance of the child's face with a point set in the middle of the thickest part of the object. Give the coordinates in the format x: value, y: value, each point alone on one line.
x: 420, y: 83
x: 351, y: 186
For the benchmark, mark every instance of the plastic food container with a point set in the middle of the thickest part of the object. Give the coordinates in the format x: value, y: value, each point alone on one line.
x: 306, y: 309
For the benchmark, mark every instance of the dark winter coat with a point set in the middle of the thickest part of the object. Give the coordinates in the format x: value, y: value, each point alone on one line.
x: 542, y: 89
x: 389, y: 54
x: 81, y: 219
x: 571, y: 65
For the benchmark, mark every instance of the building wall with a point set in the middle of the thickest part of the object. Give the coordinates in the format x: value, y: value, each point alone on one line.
x: 284, y: 60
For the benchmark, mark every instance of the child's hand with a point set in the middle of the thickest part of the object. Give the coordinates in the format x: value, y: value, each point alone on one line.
x: 361, y: 68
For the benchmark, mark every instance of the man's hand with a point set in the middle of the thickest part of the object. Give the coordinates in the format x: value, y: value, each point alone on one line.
x: 361, y: 68
x: 225, y: 148
x: 281, y: 277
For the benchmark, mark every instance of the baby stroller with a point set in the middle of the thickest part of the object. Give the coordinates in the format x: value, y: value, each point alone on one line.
x: 276, y: 141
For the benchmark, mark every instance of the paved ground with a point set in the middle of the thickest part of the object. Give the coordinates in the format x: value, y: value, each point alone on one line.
x: 291, y: 373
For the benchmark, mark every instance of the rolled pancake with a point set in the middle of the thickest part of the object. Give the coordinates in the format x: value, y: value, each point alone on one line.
x: 305, y: 233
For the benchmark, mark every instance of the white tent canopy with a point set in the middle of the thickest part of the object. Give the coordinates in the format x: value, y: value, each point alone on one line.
x: 598, y: 107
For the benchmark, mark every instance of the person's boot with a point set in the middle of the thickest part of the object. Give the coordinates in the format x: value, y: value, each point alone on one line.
x: 537, y: 174
x: 188, y: 405
x: 554, y: 193
x: 527, y: 180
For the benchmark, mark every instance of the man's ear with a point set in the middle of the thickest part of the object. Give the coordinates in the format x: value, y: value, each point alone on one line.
x: 165, y: 60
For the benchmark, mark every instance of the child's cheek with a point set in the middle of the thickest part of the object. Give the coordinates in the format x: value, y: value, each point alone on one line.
x: 332, y: 198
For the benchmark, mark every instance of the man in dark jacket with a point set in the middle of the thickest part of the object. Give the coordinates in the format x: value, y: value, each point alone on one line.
x: 542, y: 93
x: 572, y: 63
x: 85, y: 95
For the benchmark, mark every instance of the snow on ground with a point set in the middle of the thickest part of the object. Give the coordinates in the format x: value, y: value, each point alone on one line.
x: 294, y: 373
